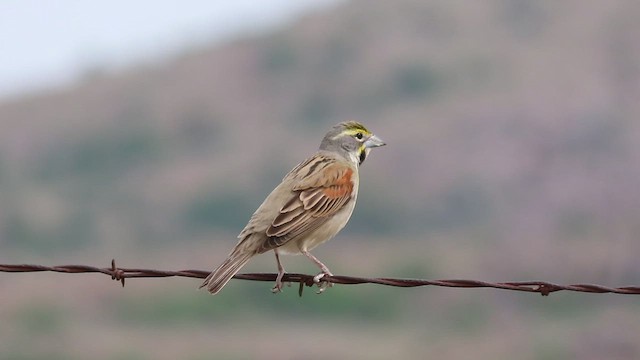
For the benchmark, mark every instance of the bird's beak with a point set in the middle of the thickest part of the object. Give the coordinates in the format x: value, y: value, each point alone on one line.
x: 374, y: 141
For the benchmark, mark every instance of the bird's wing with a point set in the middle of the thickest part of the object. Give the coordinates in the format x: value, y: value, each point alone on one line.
x: 321, y: 187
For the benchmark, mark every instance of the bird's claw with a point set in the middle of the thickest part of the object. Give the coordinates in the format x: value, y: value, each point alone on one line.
x: 316, y: 279
x: 278, y: 287
x: 322, y: 284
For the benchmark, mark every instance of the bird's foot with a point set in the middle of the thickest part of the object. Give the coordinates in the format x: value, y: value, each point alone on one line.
x: 322, y: 284
x: 279, y: 284
x: 276, y: 288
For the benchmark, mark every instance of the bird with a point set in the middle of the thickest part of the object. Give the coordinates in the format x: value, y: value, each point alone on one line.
x: 311, y: 205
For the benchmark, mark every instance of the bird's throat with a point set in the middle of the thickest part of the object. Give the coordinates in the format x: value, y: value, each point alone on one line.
x: 363, y: 155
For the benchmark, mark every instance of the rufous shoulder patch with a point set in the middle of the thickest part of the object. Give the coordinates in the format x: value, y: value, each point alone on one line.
x: 342, y: 187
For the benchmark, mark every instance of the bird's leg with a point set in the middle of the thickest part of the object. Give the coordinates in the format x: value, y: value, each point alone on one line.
x: 325, y: 272
x: 278, y: 286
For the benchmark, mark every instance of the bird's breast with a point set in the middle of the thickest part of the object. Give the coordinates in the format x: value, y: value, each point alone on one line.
x: 323, y: 233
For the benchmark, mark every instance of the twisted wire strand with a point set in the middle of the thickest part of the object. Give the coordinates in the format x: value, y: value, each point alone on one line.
x: 120, y: 274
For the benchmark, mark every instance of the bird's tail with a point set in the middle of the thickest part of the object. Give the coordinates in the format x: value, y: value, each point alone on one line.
x: 221, y: 276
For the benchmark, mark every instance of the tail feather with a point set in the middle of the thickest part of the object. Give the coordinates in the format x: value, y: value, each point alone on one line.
x: 221, y: 276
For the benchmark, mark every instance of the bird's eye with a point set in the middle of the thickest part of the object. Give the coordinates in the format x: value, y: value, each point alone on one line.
x: 359, y: 136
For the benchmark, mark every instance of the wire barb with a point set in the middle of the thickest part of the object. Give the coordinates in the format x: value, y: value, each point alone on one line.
x: 120, y: 274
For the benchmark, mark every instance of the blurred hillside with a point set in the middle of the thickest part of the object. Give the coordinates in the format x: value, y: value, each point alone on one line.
x: 514, y: 151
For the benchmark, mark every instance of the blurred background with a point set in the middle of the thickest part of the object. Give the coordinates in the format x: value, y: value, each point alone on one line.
x: 149, y: 132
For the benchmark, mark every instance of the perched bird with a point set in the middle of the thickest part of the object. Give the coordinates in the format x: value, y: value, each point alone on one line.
x: 311, y: 205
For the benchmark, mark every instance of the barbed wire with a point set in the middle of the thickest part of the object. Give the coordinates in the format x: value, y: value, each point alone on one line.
x: 120, y: 274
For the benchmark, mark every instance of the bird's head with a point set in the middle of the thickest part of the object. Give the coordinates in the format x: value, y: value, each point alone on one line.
x: 352, y: 140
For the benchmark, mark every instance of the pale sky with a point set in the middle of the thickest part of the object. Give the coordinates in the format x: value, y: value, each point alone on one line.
x: 46, y: 44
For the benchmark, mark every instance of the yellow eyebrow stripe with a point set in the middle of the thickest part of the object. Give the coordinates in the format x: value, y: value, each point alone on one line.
x: 355, y: 131
x: 351, y: 129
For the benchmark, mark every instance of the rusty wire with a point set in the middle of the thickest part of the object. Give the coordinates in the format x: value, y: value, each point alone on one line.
x: 120, y: 274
